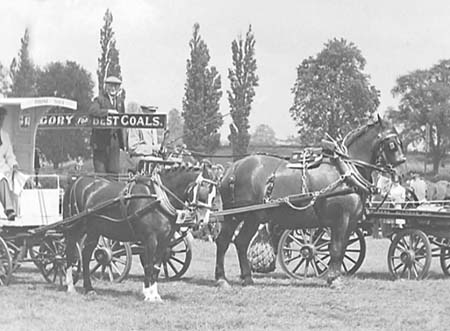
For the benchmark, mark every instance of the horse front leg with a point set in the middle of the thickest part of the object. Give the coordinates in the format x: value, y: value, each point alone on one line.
x: 151, y: 271
x: 242, y: 242
x: 339, y: 238
x: 71, y: 259
x: 90, y: 244
x: 223, y: 241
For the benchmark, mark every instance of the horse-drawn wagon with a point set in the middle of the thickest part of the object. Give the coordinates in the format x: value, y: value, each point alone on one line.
x: 41, y: 232
x: 319, y: 201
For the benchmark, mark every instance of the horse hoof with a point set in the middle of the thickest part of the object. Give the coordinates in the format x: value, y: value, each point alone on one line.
x: 336, y: 284
x: 248, y: 282
x: 71, y: 290
x: 153, y: 299
x: 222, y: 283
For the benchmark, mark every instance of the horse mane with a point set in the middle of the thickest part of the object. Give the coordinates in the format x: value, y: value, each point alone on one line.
x: 181, y: 167
x: 353, y: 135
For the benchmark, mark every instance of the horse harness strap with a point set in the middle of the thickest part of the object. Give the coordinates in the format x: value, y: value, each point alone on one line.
x: 182, y: 215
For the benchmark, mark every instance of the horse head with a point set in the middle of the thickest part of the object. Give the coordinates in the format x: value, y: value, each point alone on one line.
x: 390, y: 147
x: 376, y: 143
x: 191, y: 185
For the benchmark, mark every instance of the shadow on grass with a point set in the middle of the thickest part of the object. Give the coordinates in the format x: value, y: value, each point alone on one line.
x: 373, y: 275
x: 237, y: 283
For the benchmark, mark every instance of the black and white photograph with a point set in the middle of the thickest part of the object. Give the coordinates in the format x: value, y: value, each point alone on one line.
x: 224, y: 165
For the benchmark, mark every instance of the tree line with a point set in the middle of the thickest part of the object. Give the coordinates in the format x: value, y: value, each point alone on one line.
x: 332, y: 94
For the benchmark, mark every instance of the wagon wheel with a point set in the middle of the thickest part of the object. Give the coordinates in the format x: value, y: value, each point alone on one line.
x: 111, y: 260
x: 17, y: 254
x: 354, y: 253
x: 305, y: 253
x: 6, y: 265
x: 409, y: 255
x: 50, y: 258
x: 445, y: 260
x: 178, y: 256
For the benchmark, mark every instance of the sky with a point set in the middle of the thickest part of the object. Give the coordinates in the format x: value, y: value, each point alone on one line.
x: 395, y: 37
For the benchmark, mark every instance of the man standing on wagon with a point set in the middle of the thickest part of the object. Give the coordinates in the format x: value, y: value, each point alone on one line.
x: 106, y: 143
x: 8, y: 165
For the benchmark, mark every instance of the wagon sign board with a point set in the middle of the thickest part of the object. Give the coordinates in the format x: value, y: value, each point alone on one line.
x: 139, y: 121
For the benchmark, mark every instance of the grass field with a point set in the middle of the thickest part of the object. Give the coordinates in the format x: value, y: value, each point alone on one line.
x: 370, y: 300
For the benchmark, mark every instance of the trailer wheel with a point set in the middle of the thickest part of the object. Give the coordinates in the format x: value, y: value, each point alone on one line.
x: 409, y: 255
x: 445, y: 260
x: 50, y: 258
x: 6, y: 265
x: 111, y: 260
x: 305, y: 253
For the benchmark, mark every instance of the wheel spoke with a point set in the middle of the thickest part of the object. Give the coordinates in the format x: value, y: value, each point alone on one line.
x: 294, y: 239
x: 398, y: 266
x: 353, y: 250
x: 293, y: 258
x: 306, y: 268
x: 175, y: 270
x: 119, y: 252
x: 110, y: 275
x: 322, y: 245
x: 298, y: 266
x: 94, y: 269
x: 173, y: 258
x: 345, y: 267
x: 118, y: 260
x: 314, y: 266
x: 319, y: 236
x: 422, y: 266
x: 116, y: 269
x: 166, y: 271
x: 349, y: 258
x: 179, y: 251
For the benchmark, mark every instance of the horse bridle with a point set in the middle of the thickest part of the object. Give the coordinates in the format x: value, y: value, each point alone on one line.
x: 389, y: 142
x: 212, y: 192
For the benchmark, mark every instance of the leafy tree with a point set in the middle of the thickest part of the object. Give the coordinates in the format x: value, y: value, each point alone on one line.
x: 424, y: 108
x: 175, y: 125
x: 263, y: 135
x: 65, y: 80
x: 108, y: 62
x: 331, y: 93
x: 4, y: 83
x: 243, y: 80
x: 201, y: 99
x: 22, y: 71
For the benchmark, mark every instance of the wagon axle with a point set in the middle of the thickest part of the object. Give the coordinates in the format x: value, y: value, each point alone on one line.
x: 308, y: 252
x: 103, y: 255
x: 408, y: 257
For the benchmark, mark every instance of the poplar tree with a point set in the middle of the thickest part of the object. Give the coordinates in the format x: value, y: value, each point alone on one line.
x: 243, y: 80
x: 201, y: 99
x: 22, y: 71
x: 108, y: 62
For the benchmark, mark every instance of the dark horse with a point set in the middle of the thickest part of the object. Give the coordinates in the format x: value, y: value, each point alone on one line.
x: 145, y: 210
x: 245, y: 183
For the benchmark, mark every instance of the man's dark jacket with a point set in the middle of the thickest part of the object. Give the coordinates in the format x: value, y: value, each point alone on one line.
x: 101, y: 138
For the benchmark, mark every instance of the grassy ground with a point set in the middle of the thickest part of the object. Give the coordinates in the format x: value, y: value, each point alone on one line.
x: 368, y: 301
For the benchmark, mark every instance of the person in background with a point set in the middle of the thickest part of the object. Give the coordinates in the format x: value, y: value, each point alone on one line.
x: 106, y: 143
x: 37, y: 165
x: 142, y: 143
x: 419, y: 186
x: 8, y: 165
x: 397, y: 192
x: 384, y: 183
x: 79, y: 163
